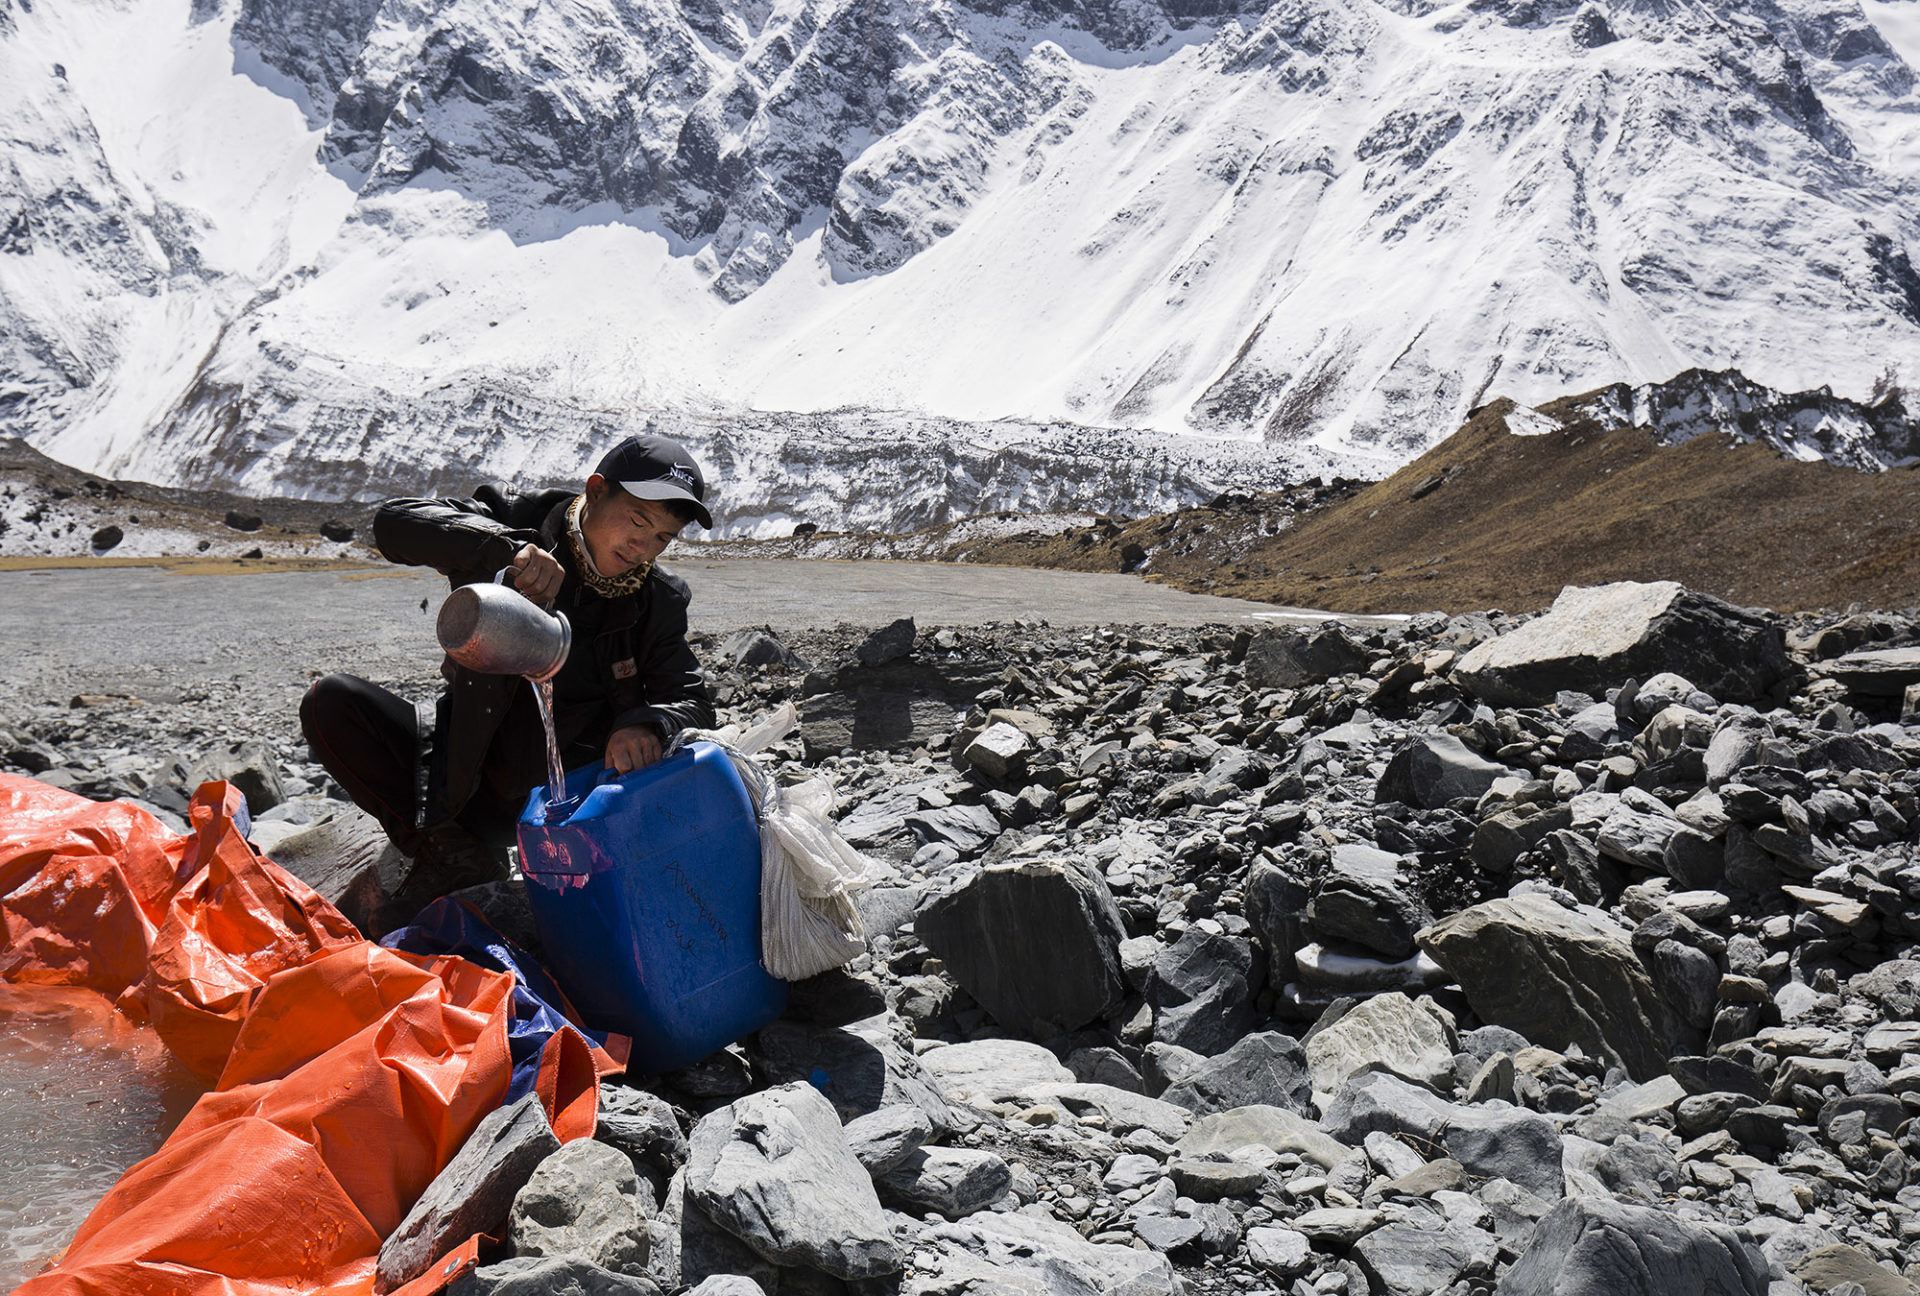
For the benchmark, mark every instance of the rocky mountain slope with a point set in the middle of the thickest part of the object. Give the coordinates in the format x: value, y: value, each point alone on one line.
x: 293, y: 246
x: 1522, y: 501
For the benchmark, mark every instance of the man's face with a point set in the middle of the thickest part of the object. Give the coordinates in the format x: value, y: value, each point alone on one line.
x: 621, y: 531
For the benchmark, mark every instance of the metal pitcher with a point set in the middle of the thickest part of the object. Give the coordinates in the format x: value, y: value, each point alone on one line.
x: 496, y: 630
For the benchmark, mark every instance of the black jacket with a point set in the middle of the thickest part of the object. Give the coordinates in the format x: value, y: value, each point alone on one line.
x: 630, y: 662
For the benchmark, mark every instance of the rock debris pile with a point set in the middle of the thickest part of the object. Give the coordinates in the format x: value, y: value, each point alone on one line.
x: 1468, y: 955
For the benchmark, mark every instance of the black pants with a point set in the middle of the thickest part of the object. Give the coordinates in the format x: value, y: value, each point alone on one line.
x: 369, y: 740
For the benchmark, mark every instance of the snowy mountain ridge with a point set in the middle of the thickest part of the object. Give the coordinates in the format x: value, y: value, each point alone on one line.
x: 332, y: 246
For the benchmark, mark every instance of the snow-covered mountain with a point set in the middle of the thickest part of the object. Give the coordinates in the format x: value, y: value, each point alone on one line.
x: 1809, y: 426
x: 336, y: 246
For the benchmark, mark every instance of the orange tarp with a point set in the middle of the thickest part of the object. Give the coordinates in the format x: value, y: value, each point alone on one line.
x: 347, y: 1075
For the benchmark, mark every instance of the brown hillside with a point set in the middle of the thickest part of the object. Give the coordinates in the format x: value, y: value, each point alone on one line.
x: 1487, y: 519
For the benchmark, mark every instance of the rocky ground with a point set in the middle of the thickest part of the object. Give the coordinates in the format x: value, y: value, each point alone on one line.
x: 1476, y: 953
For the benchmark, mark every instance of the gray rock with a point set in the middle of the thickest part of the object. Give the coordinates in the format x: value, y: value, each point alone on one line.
x: 1414, y: 1260
x: 250, y: 766
x: 1586, y: 1245
x: 866, y: 1066
x: 1491, y: 1140
x: 773, y: 1169
x: 993, y: 1070
x: 881, y: 1140
x: 1276, y: 906
x: 1212, y: 1181
x: 347, y: 858
x: 641, y: 1125
x: 966, y: 828
x: 758, y: 647
x: 1263, y: 1069
x: 1733, y: 749
x: 956, y: 1182
x: 1036, y: 943
x: 897, y: 705
x: 1336, y: 1226
x: 1106, y: 1066
x: 887, y: 644
x: 1598, y: 636
x: 1637, y: 839
x: 1879, y: 672
x: 1390, y: 1030
x: 1288, y: 658
x: 1639, y: 1170
x: 1430, y: 771
x: 549, y: 1276
x: 473, y: 1193
x: 1559, y: 977
x: 999, y: 752
x: 727, y: 1285
x: 584, y: 1201
x: 1202, y: 989
x: 1363, y: 897
x: 1825, y: 1268
x: 1025, y: 1255
x: 1689, y: 979
x: 1123, y: 1111
x: 1282, y: 1252
x: 1270, y: 1127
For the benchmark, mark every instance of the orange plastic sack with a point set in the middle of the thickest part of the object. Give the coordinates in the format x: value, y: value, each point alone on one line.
x: 348, y: 1075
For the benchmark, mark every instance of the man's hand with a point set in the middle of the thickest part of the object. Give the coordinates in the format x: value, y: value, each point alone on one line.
x: 632, y: 748
x: 537, y: 574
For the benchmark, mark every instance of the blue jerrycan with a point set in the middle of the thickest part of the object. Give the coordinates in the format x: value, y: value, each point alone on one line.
x: 647, y: 898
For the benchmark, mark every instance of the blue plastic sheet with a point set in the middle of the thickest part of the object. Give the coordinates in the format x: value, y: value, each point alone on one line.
x: 449, y: 926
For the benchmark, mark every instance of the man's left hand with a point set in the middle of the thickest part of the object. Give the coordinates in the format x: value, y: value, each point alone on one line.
x: 634, y: 747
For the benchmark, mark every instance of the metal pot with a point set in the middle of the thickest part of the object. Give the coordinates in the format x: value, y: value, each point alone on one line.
x: 497, y: 630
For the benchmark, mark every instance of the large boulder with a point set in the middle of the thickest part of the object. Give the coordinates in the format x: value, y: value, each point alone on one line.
x: 896, y: 704
x: 1390, y: 1030
x: 348, y: 859
x: 1560, y: 976
x: 1036, y: 943
x: 249, y: 765
x: 1597, y: 636
x: 1202, y: 989
x: 1429, y: 772
x: 774, y: 1170
x: 1364, y: 897
x: 1276, y: 906
x: 865, y: 1066
x: 1272, y: 1127
x: 1880, y: 672
x: 1593, y: 1244
x: 992, y: 1070
x: 1264, y: 1069
x: 1285, y: 657
x: 583, y: 1201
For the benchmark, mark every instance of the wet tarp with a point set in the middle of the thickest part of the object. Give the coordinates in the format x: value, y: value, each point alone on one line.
x: 346, y: 1074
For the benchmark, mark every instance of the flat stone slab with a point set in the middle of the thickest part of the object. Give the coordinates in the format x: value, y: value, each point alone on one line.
x: 1878, y: 672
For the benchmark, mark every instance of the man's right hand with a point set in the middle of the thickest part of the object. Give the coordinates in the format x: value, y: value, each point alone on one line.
x: 537, y: 574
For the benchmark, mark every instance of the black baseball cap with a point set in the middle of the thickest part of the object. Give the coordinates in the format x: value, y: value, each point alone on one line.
x: 658, y: 468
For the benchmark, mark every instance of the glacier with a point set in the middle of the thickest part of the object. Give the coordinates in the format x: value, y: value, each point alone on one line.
x: 887, y: 262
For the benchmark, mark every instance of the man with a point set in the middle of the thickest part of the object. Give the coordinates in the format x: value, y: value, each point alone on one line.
x: 449, y: 791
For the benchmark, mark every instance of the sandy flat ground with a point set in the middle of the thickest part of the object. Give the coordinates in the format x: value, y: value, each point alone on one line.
x: 151, y: 631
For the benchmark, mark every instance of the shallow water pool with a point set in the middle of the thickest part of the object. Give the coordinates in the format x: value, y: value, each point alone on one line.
x: 83, y: 1095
